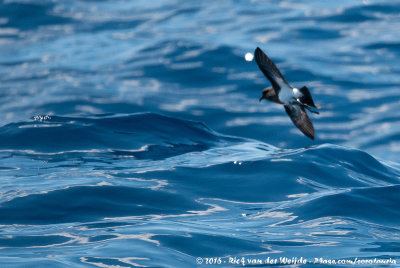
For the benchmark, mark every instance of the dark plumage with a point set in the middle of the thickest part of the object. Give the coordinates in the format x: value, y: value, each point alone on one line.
x: 294, y: 100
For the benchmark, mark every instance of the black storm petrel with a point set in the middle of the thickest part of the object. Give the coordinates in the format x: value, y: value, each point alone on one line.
x: 294, y: 100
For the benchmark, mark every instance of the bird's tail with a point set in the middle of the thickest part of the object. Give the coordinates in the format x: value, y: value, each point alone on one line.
x: 312, y: 109
x: 307, y: 101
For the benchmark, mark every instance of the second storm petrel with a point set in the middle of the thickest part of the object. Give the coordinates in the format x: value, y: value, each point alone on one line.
x: 294, y: 100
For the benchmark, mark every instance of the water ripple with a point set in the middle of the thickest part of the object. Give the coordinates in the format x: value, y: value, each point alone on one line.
x: 132, y: 134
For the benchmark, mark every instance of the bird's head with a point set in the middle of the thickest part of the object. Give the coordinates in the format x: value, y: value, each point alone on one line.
x: 268, y: 94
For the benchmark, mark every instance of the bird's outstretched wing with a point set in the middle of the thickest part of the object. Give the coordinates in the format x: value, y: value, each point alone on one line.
x: 269, y: 69
x: 300, y: 119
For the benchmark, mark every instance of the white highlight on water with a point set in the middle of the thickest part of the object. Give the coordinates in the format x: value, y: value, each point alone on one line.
x: 249, y: 56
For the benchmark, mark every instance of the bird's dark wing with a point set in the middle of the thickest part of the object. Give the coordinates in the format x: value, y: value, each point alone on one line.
x: 300, y: 119
x: 269, y: 69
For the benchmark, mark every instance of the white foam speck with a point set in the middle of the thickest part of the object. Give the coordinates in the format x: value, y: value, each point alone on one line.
x: 249, y: 56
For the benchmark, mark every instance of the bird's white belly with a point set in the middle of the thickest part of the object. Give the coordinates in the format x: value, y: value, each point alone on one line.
x: 286, y: 94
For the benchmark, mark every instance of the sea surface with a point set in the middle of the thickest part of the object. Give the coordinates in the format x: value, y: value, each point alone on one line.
x: 131, y: 134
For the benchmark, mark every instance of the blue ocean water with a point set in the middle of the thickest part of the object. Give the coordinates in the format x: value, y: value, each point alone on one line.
x: 131, y: 133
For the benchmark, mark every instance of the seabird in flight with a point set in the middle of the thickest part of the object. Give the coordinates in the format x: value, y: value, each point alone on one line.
x: 294, y: 100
